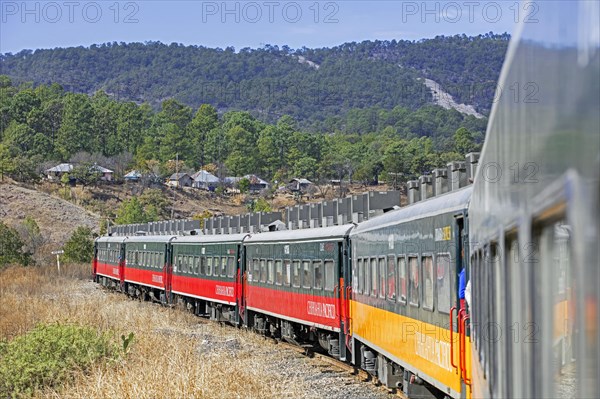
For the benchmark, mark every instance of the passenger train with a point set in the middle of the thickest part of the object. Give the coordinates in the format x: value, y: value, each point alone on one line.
x: 384, y: 294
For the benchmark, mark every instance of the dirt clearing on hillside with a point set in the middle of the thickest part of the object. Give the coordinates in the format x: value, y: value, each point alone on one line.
x: 173, y: 353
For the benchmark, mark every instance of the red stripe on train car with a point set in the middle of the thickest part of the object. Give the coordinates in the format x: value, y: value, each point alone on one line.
x: 154, y: 278
x: 311, y: 309
x: 219, y: 290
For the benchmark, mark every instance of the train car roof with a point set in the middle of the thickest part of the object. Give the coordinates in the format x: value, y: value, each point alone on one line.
x: 164, y: 239
x: 333, y: 232
x: 452, y: 201
x: 210, y: 239
x: 111, y: 239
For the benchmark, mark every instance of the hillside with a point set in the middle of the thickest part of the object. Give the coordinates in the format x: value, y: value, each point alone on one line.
x: 315, y: 86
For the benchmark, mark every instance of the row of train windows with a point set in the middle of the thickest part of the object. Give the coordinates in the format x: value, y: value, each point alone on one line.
x: 108, y: 255
x: 154, y: 260
x: 389, y: 278
x: 205, y: 265
x: 307, y: 274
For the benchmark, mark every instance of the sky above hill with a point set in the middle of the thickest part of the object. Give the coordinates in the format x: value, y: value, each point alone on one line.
x: 41, y: 24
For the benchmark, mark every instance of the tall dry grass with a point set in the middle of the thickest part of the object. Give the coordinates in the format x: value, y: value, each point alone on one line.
x: 173, y: 354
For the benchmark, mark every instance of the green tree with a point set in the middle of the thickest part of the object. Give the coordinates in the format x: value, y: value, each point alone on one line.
x: 76, y: 131
x: 244, y: 185
x: 205, y: 120
x: 463, y: 141
x: 80, y: 246
x: 7, y: 165
x: 11, y: 247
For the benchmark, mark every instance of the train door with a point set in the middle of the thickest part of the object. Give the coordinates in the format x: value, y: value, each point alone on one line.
x: 122, y: 265
x: 95, y: 261
x: 168, y: 272
x: 460, y: 323
x: 345, y: 293
x: 240, y: 282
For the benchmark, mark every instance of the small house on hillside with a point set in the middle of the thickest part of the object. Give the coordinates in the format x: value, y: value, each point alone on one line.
x: 133, y: 176
x: 105, y: 174
x: 205, y: 180
x: 299, y: 185
x: 256, y: 183
x: 57, y: 172
x: 180, y: 180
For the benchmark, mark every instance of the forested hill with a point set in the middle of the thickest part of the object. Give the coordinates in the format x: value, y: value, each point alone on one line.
x: 315, y: 86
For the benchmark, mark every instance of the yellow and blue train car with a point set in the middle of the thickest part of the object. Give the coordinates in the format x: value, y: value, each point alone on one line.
x: 405, y: 272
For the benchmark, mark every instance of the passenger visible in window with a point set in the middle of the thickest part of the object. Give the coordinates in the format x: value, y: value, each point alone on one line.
x: 462, y: 285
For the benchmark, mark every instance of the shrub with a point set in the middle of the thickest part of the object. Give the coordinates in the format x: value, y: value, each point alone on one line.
x: 11, y: 247
x: 48, y: 355
x: 80, y: 247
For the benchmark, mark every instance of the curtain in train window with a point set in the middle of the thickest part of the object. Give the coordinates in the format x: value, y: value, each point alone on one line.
x: 296, y: 273
x: 329, y: 275
x: 223, y: 266
x: 288, y: 273
x: 306, y: 274
x: 255, y: 276
x: 373, y: 276
x: 230, y: 266
x: 403, y: 280
x: 271, y: 272
x: 360, y: 277
x: 209, y: 266
x: 202, y: 266
x: 443, y: 283
x: 413, y: 276
x: 318, y: 272
x: 263, y: 271
x: 428, y: 282
x: 391, y: 277
x: 278, y: 271
x: 382, y: 277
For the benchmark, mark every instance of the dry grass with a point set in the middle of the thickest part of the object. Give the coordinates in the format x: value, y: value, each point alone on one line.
x: 173, y: 354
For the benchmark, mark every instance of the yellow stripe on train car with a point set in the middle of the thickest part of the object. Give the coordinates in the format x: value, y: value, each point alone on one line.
x: 421, y: 347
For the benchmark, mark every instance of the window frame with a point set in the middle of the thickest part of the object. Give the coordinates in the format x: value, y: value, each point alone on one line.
x: 325, y: 288
x: 263, y: 270
x: 298, y: 263
x: 423, y: 293
x: 310, y: 274
x: 374, y: 267
x: 417, y: 257
x: 314, y: 274
x: 279, y: 265
x: 391, y: 257
x: 381, y: 291
x: 449, y: 274
x: 270, y: 271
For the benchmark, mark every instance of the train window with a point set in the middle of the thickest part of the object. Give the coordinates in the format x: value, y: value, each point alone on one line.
x: 403, y: 293
x: 427, y: 262
x: 271, y: 272
x: 255, y: 276
x: 391, y: 278
x: 373, y: 276
x: 230, y: 266
x: 443, y: 282
x: 209, y: 266
x: 329, y: 275
x: 202, y: 266
x: 360, y: 276
x: 296, y: 274
x: 288, y: 273
x: 263, y: 270
x: 318, y: 274
x: 367, y: 277
x: 413, y: 276
x: 223, y: 266
x: 278, y: 271
x: 382, y: 277
x: 306, y: 274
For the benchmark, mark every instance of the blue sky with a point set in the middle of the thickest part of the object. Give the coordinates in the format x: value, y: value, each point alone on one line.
x: 43, y: 24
